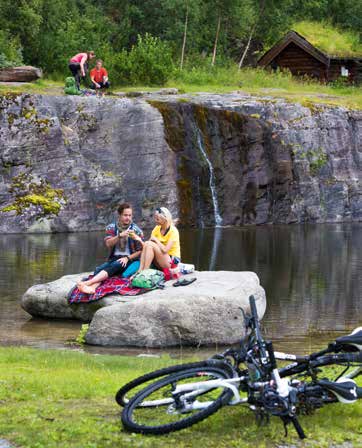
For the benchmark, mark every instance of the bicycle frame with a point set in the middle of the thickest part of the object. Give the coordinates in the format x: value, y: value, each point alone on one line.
x: 204, y: 386
x: 259, y: 383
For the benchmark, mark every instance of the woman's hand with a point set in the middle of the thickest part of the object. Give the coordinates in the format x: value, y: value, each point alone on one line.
x: 154, y: 239
x: 134, y: 236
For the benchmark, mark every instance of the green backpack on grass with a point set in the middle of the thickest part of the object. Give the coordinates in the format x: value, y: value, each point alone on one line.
x: 149, y: 279
x: 71, y: 87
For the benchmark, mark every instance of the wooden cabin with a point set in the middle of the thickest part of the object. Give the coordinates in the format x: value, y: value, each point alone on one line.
x: 296, y: 54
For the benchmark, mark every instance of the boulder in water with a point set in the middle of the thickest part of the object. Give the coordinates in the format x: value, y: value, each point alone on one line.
x: 204, y: 312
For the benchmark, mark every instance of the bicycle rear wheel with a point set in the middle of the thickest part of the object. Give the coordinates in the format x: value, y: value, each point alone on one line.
x: 156, y: 410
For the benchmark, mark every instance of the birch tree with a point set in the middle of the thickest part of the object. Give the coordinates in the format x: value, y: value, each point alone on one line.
x: 185, y: 36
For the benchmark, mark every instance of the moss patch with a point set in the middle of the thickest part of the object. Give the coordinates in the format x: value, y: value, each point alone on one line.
x: 36, y: 197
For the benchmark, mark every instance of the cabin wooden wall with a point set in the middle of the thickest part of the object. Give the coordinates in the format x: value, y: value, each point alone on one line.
x: 299, y: 62
x: 354, y: 68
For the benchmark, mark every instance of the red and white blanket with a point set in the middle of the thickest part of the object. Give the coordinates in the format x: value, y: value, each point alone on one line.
x: 112, y: 285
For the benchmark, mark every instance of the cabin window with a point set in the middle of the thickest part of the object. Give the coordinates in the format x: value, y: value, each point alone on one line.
x: 344, y: 71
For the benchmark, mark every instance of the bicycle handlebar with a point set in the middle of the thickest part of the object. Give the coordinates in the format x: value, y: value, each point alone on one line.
x: 337, y: 358
x: 254, y: 314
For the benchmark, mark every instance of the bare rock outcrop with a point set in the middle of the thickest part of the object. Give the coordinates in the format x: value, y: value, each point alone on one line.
x: 273, y: 161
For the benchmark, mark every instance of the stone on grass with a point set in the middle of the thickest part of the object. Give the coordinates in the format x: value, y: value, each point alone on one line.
x: 24, y: 73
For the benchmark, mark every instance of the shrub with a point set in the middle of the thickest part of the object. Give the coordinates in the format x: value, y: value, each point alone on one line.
x: 10, y: 51
x: 149, y: 62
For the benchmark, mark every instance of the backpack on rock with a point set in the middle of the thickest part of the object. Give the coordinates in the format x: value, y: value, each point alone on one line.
x: 149, y: 279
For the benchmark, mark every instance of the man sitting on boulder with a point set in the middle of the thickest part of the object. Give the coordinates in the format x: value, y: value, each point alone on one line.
x: 99, y: 77
x: 125, y: 241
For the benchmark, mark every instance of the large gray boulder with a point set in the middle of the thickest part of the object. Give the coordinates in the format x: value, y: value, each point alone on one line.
x: 49, y: 300
x: 205, y: 312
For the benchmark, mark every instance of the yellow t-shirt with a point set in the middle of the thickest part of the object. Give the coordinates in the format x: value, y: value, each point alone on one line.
x: 171, y: 235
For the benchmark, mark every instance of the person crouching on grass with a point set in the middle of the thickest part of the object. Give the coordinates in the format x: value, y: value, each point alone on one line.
x: 99, y: 77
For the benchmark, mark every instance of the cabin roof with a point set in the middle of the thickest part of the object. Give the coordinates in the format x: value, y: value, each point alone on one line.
x: 294, y: 37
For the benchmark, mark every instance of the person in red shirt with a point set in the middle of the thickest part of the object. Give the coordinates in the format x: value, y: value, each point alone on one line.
x: 99, y: 76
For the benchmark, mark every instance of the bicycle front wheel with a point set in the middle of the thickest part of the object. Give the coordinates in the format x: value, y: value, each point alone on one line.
x: 159, y: 410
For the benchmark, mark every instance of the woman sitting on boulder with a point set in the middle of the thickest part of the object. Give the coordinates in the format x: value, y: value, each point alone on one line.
x: 163, y: 248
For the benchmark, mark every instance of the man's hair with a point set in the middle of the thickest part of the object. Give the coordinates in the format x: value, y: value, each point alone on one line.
x: 99, y: 60
x: 123, y: 206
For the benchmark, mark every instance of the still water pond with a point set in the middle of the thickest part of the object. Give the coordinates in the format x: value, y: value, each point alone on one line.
x: 311, y: 274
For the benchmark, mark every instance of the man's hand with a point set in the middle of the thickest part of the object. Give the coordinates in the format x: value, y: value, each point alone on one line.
x: 123, y: 234
x: 123, y: 261
x: 98, y: 86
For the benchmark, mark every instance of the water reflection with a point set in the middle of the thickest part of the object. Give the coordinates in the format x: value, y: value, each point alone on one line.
x: 310, y: 274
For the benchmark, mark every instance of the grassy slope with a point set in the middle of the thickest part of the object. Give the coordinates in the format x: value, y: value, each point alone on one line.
x: 227, y: 79
x: 60, y: 398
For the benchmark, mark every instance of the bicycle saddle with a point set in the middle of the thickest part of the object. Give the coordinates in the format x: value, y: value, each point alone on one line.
x: 344, y: 389
x: 354, y: 339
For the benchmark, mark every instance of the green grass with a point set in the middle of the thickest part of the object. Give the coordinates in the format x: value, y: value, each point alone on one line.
x: 258, y: 82
x: 41, y: 86
x: 330, y: 39
x: 261, y: 82
x: 52, y: 398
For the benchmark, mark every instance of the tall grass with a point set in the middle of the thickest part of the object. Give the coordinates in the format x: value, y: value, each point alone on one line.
x: 226, y: 78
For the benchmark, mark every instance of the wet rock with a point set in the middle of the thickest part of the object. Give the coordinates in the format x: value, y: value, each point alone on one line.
x: 204, y: 312
x: 273, y: 161
x: 24, y: 73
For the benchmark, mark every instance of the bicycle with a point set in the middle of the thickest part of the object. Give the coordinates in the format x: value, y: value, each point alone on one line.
x: 186, y: 394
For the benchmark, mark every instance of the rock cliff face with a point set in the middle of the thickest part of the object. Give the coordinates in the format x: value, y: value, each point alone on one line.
x: 99, y: 151
x: 231, y: 157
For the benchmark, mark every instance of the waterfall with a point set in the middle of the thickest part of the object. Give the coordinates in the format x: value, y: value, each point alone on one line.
x: 217, y: 217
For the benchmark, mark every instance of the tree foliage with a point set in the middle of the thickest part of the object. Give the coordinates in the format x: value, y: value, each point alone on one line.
x: 47, y: 33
